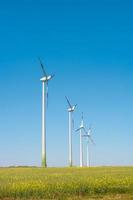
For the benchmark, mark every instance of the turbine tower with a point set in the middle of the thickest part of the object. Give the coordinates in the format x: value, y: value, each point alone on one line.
x: 45, y: 79
x: 89, y: 142
x: 71, y: 109
x: 81, y: 129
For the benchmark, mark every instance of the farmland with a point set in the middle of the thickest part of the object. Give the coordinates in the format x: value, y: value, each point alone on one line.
x: 104, y: 183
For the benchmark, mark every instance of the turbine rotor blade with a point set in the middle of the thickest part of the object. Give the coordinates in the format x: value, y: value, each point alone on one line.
x: 75, y: 106
x: 68, y: 102
x: 85, y: 130
x: 77, y: 130
x: 82, y: 115
x: 44, y: 72
x: 92, y: 141
x: 53, y: 76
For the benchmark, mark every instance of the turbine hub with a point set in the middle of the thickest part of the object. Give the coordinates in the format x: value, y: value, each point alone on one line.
x: 46, y: 78
x: 70, y: 109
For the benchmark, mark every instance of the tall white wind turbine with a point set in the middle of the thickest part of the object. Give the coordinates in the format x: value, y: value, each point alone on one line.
x: 71, y: 109
x: 81, y: 129
x: 45, y: 79
x: 89, y: 142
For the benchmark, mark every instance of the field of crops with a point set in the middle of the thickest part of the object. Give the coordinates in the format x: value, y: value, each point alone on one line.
x: 67, y: 183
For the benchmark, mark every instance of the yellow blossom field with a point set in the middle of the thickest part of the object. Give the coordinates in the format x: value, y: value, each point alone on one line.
x: 106, y: 183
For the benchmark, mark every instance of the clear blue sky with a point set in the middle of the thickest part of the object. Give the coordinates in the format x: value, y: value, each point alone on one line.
x: 89, y: 46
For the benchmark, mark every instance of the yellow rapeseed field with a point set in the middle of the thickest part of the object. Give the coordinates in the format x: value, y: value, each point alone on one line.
x: 67, y: 183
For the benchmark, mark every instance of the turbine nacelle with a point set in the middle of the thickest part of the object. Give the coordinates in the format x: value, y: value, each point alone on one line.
x: 88, y: 134
x: 71, y: 109
x: 46, y: 78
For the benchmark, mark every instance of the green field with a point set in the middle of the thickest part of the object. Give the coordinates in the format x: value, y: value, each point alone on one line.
x: 67, y: 183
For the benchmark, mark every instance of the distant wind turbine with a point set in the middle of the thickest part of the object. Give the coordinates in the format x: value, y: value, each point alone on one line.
x: 71, y: 109
x: 89, y: 141
x: 45, y: 79
x: 81, y: 129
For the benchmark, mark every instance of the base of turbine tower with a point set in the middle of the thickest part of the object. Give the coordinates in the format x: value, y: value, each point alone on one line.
x: 44, y: 164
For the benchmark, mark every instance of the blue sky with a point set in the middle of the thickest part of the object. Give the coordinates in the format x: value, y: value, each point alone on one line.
x: 89, y: 46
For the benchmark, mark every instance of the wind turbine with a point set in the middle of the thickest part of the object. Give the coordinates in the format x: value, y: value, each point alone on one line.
x: 71, y: 109
x: 81, y: 129
x: 45, y: 79
x: 89, y: 142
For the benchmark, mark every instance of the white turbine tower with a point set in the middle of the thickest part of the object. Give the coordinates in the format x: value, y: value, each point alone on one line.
x: 71, y: 109
x: 44, y: 81
x: 89, y: 142
x: 81, y: 129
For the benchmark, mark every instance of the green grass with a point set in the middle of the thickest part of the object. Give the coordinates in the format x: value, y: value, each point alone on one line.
x: 105, y: 183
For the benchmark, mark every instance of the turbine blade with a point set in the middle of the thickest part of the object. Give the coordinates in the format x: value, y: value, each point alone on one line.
x: 68, y: 102
x: 90, y: 128
x: 92, y: 141
x: 77, y: 130
x: 44, y: 72
x: 53, y: 76
x: 82, y: 115
x: 85, y: 130
x: 75, y: 106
